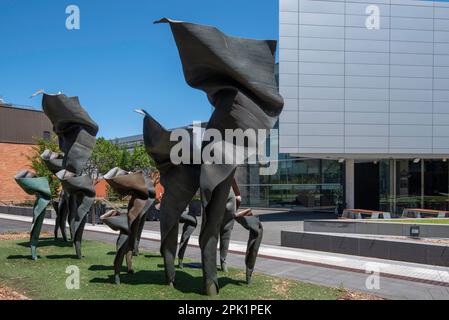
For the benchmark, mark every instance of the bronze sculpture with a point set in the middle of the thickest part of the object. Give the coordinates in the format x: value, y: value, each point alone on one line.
x: 244, y: 218
x: 189, y: 222
x: 40, y: 188
x: 76, y: 133
x: 53, y: 161
x: 238, y: 77
x: 138, y: 187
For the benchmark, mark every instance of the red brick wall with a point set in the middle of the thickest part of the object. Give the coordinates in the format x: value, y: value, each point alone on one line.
x: 13, y: 158
x: 101, y: 189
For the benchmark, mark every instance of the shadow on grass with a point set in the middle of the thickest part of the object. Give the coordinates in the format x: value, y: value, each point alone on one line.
x: 185, y: 282
x: 113, y: 253
x: 48, y: 242
x: 19, y: 257
x: 62, y: 256
x: 98, y: 267
x: 193, y: 265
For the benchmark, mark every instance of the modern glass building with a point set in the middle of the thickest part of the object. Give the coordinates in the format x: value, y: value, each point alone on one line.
x: 366, y: 119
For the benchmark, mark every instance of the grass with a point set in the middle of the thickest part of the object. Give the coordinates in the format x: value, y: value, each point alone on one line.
x: 46, y: 277
x: 419, y: 221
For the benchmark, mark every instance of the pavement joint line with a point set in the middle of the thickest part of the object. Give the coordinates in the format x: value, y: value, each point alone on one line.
x: 397, y: 270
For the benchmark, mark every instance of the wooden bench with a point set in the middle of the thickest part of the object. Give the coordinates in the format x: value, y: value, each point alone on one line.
x: 424, y: 213
x: 369, y: 214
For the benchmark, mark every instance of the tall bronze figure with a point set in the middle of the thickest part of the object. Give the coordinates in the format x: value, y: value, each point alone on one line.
x: 53, y: 161
x: 76, y: 132
x: 39, y: 187
x: 189, y: 222
x: 238, y: 77
x: 138, y: 187
x: 180, y: 182
x: 244, y: 218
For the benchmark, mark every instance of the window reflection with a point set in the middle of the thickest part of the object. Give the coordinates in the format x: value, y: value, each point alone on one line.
x: 303, y: 184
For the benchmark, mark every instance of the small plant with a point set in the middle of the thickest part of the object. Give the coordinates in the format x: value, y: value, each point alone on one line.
x: 38, y: 166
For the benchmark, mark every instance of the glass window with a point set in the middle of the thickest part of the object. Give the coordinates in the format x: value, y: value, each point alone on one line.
x: 408, y: 185
x: 303, y: 184
x: 386, y: 181
x: 436, y: 183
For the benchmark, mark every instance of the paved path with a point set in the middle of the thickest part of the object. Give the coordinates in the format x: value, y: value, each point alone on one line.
x: 397, y: 280
x: 273, y: 221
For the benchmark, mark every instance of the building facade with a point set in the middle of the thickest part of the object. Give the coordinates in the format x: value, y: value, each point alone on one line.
x: 19, y: 129
x: 130, y: 142
x: 366, y: 85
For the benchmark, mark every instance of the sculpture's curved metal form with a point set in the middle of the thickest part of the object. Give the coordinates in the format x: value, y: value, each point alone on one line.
x: 244, y: 218
x: 76, y: 132
x: 39, y: 187
x: 180, y: 182
x: 53, y: 161
x: 131, y: 224
x: 81, y: 198
x: 253, y: 224
x: 238, y: 77
x: 226, y: 229
x: 189, y: 225
x: 151, y: 196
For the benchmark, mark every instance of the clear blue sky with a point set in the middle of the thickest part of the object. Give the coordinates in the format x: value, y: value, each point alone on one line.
x: 118, y: 60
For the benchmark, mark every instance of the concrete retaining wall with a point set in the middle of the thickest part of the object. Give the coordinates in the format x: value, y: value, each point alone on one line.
x: 376, y: 228
x: 24, y: 211
x: 426, y: 253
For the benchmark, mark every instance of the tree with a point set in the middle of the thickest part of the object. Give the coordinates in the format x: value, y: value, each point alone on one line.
x: 140, y: 160
x: 107, y: 155
x: 38, y: 165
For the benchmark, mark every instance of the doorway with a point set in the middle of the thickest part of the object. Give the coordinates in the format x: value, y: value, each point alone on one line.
x: 366, y: 183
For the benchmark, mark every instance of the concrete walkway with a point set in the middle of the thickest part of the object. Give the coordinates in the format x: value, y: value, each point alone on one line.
x: 398, y: 280
x: 273, y: 221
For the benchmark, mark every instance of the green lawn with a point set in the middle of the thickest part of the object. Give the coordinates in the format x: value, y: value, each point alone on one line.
x: 419, y: 221
x: 46, y: 277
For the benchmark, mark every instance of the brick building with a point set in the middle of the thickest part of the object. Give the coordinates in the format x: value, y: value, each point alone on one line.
x: 19, y: 128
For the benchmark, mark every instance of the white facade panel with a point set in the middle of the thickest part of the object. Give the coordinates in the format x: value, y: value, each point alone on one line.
x: 336, y: 142
x: 290, y: 104
x: 411, y: 142
x: 322, y: 105
x: 414, y: 119
x: 288, y: 5
x: 353, y: 87
x: 411, y: 106
x: 375, y: 106
x: 306, y: 117
x: 321, y: 130
x: 411, y: 130
x: 366, y: 142
x: 288, y: 55
x: 361, y: 130
x: 288, y: 117
x: 441, y: 143
x: 366, y: 118
x: 440, y: 107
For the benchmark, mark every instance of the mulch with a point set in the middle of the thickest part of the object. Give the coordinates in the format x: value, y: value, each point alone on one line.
x: 21, y: 235
x: 359, y: 296
x: 9, y: 294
